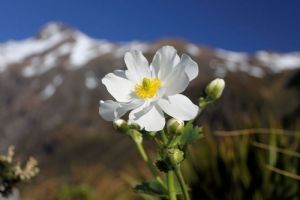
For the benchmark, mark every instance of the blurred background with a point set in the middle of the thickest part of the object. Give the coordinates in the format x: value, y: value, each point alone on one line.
x: 53, y: 55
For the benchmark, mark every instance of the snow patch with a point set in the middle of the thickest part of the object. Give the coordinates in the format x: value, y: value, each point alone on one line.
x: 51, y: 87
x: 53, y: 42
x: 85, y: 49
x: 135, y: 45
x: 64, y: 49
x: 104, y: 47
x: 57, y: 80
x: 279, y: 62
x: 82, y: 51
x: 193, y: 50
x: 48, y: 91
x: 51, y: 29
x: 234, y: 62
x: 231, y: 56
x: 14, y: 52
x: 91, y: 81
x: 40, y: 65
x: 256, y: 71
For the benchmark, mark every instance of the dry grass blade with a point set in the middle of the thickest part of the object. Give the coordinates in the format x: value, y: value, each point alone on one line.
x: 277, y: 149
x: 255, y: 131
x: 283, y: 172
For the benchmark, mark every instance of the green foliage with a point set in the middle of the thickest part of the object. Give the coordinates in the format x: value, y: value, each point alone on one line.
x: 171, y: 146
x: 150, y: 188
x: 190, y: 134
x: 8, y: 179
x: 154, y: 188
x: 74, y: 192
x: 246, y: 165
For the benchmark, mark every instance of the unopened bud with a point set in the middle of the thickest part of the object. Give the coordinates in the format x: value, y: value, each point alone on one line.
x: 120, y: 125
x: 215, y: 88
x: 175, y: 126
x: 176, y: 156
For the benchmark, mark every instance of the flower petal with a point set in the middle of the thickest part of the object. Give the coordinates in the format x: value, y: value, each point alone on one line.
x: 176, y: 82
x: 118, y: 86
x: 110, y: 110
x: 107, y: 110
x: 164, y: 60
x: 179, y: 107
x: 190, y: 66
x: 137, y: 64
x: 149, y: 117
x: 120, y: 73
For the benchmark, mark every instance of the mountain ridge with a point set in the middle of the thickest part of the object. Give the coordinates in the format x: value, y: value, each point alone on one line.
x: 50, y: 87
x: 53, y: 79
x: 56, y: 40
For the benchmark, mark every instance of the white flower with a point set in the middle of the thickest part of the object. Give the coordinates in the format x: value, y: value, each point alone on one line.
x: 150, y: 90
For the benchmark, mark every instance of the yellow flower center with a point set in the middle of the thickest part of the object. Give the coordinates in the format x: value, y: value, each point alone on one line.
x: 147, y: 88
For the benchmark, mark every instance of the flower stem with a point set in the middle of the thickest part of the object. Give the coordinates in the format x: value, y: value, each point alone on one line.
x: 171, y: 186
x: 182, y: 184
x: 164, y: 137
x: 149, y: 164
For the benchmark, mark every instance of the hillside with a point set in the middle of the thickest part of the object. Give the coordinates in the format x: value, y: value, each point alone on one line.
x: 50, y: 91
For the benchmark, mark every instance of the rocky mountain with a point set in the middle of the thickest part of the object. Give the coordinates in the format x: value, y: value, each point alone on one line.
x: 50, y: 90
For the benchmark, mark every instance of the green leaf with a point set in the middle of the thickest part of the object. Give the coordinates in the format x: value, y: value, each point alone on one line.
x: 272, y: 152
x: 189, y: 135
x: 151, y: 188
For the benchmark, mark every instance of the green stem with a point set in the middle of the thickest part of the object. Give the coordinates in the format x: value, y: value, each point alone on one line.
x: 149, y: 164
x: 203, y: 103
x: 172, y: 140
x: 164, y: 137
x: 182, y: 184
x: 171, y: 186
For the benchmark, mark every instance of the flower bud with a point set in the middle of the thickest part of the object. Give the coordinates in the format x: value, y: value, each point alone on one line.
x: 215, y: 88
x: 120, y: 125
x: 175, y: 126
x: 176, y: 156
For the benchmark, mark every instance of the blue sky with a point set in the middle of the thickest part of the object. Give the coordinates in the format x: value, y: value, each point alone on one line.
x: 240, y: 25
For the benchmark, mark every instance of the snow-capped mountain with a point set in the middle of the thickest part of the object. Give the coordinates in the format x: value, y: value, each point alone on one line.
x: 59, y: 45
x: 50, y: 90
x: 52, y: 80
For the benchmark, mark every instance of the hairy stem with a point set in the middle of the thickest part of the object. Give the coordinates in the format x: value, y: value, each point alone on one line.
x: 182, y: 184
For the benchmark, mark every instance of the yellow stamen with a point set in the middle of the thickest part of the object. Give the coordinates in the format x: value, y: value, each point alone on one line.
x: 147, y: 88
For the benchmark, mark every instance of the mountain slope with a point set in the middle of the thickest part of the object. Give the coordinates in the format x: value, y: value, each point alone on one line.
x: 50, y: 90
